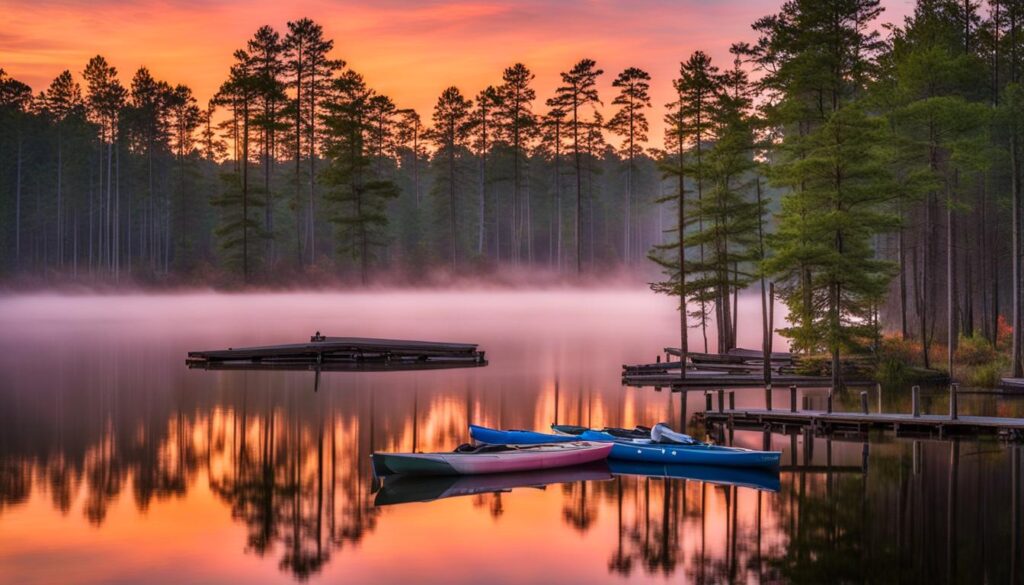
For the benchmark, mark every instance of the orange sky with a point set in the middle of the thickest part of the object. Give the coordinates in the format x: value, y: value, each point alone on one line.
x: 409, y: 50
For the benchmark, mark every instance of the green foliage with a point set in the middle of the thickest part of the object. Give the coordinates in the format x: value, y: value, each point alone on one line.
x: 830, y: 276
x: 358, y: 189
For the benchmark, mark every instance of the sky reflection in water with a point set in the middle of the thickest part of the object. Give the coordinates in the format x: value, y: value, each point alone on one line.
x: 118, y: 464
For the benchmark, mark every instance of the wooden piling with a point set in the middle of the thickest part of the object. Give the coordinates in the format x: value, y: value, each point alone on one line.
x: 864, y: 401
x: 915, y: 401
x: 721, y: 400
x: 707, y: 401
x: 768, y: 397
x: 732, y: 400
x: 792, y: 398
x: 954, y: 390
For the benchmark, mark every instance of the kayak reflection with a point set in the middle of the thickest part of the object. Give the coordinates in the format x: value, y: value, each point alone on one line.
x: 403, y: 489
x: 754, y: 478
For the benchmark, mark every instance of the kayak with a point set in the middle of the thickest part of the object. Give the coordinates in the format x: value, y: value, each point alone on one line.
x: 516, y: 437
x: 402, y: 489
x: 748, y: 477
x: 646, y: 450
x: 472, y: 460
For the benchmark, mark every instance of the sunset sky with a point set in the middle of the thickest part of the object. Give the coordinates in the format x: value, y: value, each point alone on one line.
x: 408, y: 50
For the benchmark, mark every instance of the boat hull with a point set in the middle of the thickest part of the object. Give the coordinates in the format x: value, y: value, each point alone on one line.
x: 537, y: 457
x: 695, y: 455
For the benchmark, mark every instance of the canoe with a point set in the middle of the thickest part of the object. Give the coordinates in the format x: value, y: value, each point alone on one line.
x: 645, y: 450
x: 402, y: 489
x: 759, y: 479
x: 470, y: 460
x: 516, y: 437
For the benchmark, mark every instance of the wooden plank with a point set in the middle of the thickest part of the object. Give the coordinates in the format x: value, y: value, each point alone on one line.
x: 886, y: 420
x: 664, y: 367
x: 705, y: 379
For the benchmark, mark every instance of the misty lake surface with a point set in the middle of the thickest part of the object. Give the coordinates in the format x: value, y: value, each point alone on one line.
x: 118, y: 464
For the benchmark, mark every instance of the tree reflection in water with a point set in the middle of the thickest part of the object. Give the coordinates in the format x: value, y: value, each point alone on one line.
x: 297, y: 475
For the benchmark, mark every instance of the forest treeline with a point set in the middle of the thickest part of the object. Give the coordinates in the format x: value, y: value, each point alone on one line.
x: 866, y: 174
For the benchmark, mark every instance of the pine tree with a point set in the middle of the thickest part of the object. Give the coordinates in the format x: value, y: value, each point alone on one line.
x: 357, y: 134
x: 184, y: 119
x: 15, y: 102
x: 105, y: 99
x: 267, y: 51
x: 516, y: 125
x: 239, y: 93
x: 450, y: 135
x: 552, y: 143
x: 579, y: 89
x: 630, y: 122
x: 487, y: 101
x: 61, y: 101
x: 310, y: 71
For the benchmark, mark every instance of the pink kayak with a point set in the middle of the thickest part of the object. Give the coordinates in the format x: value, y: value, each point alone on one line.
x: 474, y: 460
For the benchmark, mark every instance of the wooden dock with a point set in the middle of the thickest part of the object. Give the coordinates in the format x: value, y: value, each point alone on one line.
x: 698, y: 379
x: 902, y: 424
x: 342, y: 354
x: 1012, y: 384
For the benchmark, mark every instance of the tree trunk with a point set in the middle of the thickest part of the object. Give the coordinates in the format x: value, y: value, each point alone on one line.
x: 902, y: 252
x: 950, y: 282
x: 1015, y: 257
x: 579, y: 185
x: 245, y: 191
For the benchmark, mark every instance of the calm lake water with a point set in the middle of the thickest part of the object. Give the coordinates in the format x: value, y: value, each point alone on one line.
x: 120, y: 465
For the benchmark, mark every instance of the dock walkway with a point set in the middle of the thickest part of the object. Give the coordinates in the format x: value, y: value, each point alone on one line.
x: 901, y: 423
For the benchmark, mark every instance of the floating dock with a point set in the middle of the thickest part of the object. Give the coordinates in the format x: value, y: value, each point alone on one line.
x: 323, y: 353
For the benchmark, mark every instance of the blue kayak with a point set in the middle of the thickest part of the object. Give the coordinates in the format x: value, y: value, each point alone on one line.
x: 516, y: 437
x: 642, y: 450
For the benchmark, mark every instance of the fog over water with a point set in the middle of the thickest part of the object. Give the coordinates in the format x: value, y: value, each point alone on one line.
x: 118, y: 464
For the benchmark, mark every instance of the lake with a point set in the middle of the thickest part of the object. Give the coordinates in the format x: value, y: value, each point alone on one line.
x: 120, y: 465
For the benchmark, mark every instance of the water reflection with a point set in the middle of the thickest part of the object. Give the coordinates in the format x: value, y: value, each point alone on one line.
x: 103, y: 426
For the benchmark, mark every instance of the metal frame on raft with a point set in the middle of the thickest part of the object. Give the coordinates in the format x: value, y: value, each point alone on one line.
x: 324, y: 353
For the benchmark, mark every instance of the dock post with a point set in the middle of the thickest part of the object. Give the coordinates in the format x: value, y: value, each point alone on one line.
x: 768, y: 397
x: 707, y: 401
x: 829, y: 406
x: 721, y: 400
x: 954, y: 389
x: 864, y: 401
x: 732, y: 400
x: 792, y: 397
x: 915, y: 401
